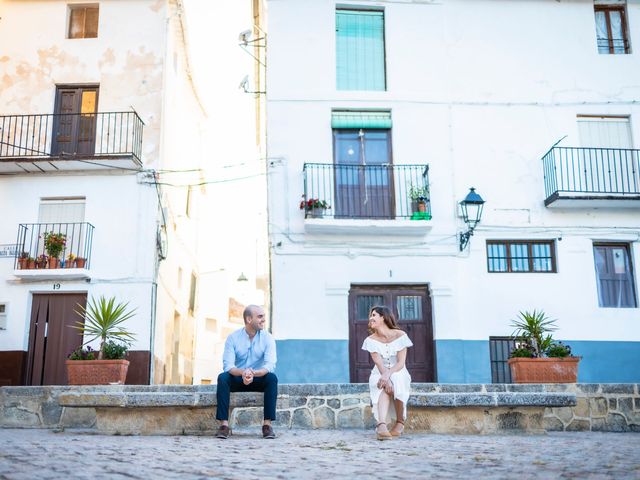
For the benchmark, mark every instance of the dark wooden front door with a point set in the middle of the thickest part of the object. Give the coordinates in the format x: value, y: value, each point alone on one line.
x: 74, y: 126
x: 412, y: 307
x: 51, y: 337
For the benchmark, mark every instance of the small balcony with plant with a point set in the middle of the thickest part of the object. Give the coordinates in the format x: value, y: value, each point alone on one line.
x: 346, y: 198
x: 70, y: 141
x: 592, y: 177
x: 53, y: 250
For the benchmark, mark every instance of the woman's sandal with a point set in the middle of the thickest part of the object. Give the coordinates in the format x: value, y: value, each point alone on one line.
x: 383, y: 435
x: 397, y: 429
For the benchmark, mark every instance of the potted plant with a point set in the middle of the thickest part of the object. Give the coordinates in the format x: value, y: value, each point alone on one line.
x: 314, y: 207
x: 31, y: 263
x: 41, y: 261
x: 538, y: 358
x: 419, y: 196
x: 23, y: 260
x: 54, y: 245
x: 104, y: 320
x: 70, y: 262
x: 80, y: 262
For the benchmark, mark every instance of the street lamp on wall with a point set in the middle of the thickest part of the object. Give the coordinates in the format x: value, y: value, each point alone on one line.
x: 471, y: 208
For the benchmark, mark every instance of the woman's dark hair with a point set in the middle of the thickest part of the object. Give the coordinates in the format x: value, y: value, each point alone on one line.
x: 387, y: 315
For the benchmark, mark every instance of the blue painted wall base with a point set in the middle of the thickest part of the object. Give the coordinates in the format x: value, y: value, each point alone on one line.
x: 463, y: 361
x: 457, y: 361
x: 312, y: 361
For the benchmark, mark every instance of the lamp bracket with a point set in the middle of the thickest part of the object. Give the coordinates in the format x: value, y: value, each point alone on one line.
x: 464, y: 238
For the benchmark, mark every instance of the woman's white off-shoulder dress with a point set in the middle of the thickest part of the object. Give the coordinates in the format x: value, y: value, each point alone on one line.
x: 401, y: 379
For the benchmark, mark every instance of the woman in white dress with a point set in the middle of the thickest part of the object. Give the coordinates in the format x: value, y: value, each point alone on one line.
x: 390, y: 381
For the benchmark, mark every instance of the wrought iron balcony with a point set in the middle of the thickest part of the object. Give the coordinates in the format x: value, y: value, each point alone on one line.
x: 366, y: 191
x: 70, y: 141
x: 591, y: 177
x: 52, y: 246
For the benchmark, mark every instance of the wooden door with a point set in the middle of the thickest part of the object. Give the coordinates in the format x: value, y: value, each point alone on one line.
x: 363, y: 174
x: 74, y: 126
x: 51, y: 337
x: 412, y: 307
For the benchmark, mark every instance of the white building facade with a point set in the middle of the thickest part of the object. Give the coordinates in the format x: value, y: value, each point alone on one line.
x: 535, y: 104
x: 97, y: 110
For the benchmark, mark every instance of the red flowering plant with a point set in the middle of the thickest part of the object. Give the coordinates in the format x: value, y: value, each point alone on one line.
x: 313, y: 203
x: 54, y: 243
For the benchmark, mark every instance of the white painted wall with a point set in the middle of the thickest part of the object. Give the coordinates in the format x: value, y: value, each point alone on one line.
x: 121, y: 256
x: 479, y: 90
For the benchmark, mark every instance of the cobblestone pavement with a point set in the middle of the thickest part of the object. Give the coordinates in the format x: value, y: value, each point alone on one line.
x: 42, y: 454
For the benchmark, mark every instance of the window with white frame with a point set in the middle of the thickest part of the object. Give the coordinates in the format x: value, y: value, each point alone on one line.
x: 61, y: 210
x: 605, y: 131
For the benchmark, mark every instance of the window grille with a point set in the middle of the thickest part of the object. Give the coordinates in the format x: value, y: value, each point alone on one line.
x: 499, y: 350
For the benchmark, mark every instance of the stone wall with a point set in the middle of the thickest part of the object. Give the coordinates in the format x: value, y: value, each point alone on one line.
x: 607, y: 407
x: 38, y: 407
x: 438, y: 408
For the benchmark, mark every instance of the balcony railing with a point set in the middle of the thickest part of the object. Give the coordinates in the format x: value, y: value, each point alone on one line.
x: 74, y: 240
x: 366, y: 191
x: 613, y: 45
x: 591, y: 172
x: 71, y: 134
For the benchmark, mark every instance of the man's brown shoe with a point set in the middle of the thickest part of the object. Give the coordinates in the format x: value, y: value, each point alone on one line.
x: 267, y: 432
x: 223, y: 432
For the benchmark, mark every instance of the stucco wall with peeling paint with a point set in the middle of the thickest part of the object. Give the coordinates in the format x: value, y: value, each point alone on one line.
x: 126, y: 60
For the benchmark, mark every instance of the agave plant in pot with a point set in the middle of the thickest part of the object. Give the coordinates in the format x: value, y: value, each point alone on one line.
x: 104, y: 320
x: 537, y: 357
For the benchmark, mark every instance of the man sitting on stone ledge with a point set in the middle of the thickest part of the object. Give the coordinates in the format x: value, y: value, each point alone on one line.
x: 249, y: 360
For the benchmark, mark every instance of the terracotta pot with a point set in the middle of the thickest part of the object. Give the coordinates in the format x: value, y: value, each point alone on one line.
x: 96, y: 372
x: 422, y: 207
x: 315, y: 213
x: 22, y: 263
x: 544, y: 370
x: 80, y: 262
x: 53, y: 262
x: 31, y: 264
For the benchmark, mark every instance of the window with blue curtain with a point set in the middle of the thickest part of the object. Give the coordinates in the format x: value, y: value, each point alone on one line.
x: 616, y: 288
x: 360, y: 49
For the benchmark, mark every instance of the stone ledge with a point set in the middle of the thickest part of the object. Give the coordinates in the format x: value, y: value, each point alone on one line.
x: 442, y: 408
x: 132, y: 399
x: 502, y: 399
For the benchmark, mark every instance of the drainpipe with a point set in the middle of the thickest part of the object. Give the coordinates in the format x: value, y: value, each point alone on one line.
x: 154, y: 297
